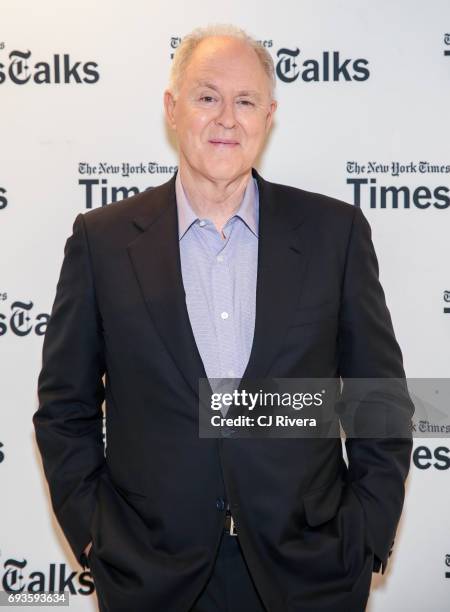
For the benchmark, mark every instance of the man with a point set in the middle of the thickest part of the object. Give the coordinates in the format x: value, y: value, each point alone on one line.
x: 217, y: 273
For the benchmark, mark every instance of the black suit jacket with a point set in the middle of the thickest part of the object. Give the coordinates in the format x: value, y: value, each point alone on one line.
x: 312, y: 529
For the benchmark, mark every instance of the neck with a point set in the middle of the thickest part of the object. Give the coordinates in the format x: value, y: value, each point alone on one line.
x: 213, y: 199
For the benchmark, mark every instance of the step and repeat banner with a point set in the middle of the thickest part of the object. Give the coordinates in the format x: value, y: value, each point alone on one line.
x: 364, y: 94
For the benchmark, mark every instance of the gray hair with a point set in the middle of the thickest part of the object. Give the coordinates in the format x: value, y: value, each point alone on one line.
x: 189, y: 43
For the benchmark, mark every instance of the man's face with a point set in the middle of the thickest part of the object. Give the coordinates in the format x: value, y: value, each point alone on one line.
x: 223, y: 110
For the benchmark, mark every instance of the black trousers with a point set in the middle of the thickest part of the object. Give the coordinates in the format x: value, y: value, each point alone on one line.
x: 230, y: 587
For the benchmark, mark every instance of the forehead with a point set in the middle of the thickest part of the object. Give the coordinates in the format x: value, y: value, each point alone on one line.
x: 225, y: 61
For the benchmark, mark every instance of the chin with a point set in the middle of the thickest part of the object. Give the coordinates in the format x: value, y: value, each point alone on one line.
x: 223, y: 171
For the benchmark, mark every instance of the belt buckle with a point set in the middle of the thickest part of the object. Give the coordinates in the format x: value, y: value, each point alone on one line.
x: 230, y: 526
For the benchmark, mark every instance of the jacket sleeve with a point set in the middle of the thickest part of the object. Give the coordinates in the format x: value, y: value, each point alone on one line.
x: 69, y: 419
x: 378, y: 466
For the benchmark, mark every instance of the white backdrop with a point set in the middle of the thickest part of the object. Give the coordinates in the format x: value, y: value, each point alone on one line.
x: 81, y: 85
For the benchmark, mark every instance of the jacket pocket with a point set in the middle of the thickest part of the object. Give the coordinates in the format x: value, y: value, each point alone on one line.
x: 322, y: 504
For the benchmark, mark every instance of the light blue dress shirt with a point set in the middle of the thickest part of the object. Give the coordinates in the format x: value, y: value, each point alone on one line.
x: 219, y: 278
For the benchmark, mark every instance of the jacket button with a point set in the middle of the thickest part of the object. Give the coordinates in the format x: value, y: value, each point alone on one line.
x: 220, y: 503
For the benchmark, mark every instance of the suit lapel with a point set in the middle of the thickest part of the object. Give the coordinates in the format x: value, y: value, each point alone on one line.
x: 281, y: 265
x: 155, y: 256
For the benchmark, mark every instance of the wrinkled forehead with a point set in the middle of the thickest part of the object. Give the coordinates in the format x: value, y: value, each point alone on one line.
x: 226, y: 64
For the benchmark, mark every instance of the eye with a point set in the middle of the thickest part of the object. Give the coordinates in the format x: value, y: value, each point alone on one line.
x: 207, y: 98
x: 246, y: 102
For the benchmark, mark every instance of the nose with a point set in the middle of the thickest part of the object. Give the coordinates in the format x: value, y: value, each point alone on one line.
x: 226, y: 117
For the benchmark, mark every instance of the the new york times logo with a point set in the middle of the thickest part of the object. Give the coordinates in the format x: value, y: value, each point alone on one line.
x: 175, y: 42
x: 54, y: 579
x: 389, y: 195
x: 330, y: 67
x: 447, y: 42
x: 99, y: 191
x: 21, y: 69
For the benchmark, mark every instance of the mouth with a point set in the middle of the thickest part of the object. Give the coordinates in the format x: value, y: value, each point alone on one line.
x: 223, y: 142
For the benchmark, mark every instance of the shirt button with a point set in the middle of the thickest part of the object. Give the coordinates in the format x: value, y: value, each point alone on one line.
x: 224, y: 315
x: 220, y: 503
x: 202, y: 223
x: 219, y: 257
x: 231, y: 373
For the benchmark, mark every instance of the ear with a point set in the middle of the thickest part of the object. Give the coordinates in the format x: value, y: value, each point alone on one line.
x: 269, y: 117
x: 169, y: 108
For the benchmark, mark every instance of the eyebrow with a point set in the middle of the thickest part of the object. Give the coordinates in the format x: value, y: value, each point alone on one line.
x: 243, y: 92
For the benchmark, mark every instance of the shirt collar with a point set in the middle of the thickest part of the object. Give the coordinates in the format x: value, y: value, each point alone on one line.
x: 248, y: 210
